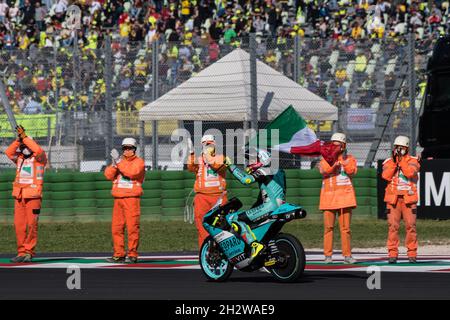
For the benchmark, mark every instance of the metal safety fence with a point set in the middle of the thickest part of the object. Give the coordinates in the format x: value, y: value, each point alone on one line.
x: 80, y: 102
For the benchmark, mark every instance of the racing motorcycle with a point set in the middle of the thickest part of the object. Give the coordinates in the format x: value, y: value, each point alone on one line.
x: 283, y: 254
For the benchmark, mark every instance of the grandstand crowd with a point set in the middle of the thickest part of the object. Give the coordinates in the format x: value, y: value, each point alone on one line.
x: 350, y: 50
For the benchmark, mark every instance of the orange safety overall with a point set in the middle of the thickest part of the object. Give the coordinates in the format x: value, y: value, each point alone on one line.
x: 401, y: 200
x: 337, y: 197
x: 127, y: 176
x: 210, y: 187
x: 27, y: 192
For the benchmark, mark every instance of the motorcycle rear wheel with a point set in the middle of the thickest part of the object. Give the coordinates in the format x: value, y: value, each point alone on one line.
x: 292, y: 251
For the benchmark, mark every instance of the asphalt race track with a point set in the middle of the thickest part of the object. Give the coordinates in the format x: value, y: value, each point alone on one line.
x: 178, y: 277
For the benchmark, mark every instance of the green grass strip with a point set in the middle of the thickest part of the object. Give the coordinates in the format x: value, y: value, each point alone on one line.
x: 157, y: 236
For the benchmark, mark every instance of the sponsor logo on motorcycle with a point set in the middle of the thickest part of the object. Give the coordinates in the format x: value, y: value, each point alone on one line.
x: 244, y: 263
x: 263, y: 217
x: 229, y: 244
x: 222, y: 236
x: 238, y: 258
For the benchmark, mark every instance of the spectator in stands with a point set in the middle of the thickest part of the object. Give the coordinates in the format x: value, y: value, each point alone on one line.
x: 184, y: 52
x: 341, y: 73
x: 323, y: 28
x: 340, y: 26
x: 3, y: 11
x: 389, y: 83
x: 313, y: 85
x: 325, y: 67
x: 271, y: 59
x: 259, y: 24
x: 360, y: 67
x: 416, y: 20
x: 40, y: 13
x: 348, y: 46
x: 357, y: 32
x: 229, y: 34
x: 435, y: 18
x: 338, y: 88
x: 60, y: 9
x: 27, y: 12
x: 186, y: 69
x: 322, y: 89
x: 274, y: 20
x: 369, y: 93
x: 214, y: 51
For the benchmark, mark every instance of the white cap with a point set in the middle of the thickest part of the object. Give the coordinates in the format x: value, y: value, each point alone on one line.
x: 401, y: 141
x: 208, y: 137
x: 339, y: 137
x: 129, y: 142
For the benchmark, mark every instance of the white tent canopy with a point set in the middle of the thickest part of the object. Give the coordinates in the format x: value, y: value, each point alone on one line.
x: 221, y: 92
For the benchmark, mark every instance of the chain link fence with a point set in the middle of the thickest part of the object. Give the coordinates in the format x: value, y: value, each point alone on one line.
x: 78, y: 103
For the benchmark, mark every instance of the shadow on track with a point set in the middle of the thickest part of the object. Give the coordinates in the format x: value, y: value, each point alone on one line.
x: 307, y: 278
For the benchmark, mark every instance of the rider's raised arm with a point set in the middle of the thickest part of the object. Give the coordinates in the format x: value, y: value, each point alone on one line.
x: 243, y: 177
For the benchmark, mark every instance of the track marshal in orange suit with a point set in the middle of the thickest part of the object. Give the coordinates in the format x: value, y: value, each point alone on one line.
x: 127, y: 173
x: 210, y: 184
x: 337, y: 197
x: 30, y: 160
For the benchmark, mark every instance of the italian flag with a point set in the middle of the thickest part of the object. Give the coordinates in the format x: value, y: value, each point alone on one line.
x: 294, y: 135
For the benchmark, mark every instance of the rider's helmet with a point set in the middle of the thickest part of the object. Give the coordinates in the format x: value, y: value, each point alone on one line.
x: 258, y: 158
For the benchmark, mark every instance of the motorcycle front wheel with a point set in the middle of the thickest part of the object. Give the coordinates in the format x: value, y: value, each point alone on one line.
x: 293, y: 259
x: 213, y: 263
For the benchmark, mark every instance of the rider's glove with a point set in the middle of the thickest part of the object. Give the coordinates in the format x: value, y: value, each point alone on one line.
x: 115, y: 156
x: 21, y: 132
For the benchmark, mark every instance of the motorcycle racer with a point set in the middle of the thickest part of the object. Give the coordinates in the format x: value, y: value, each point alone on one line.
x: 272, y: 187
